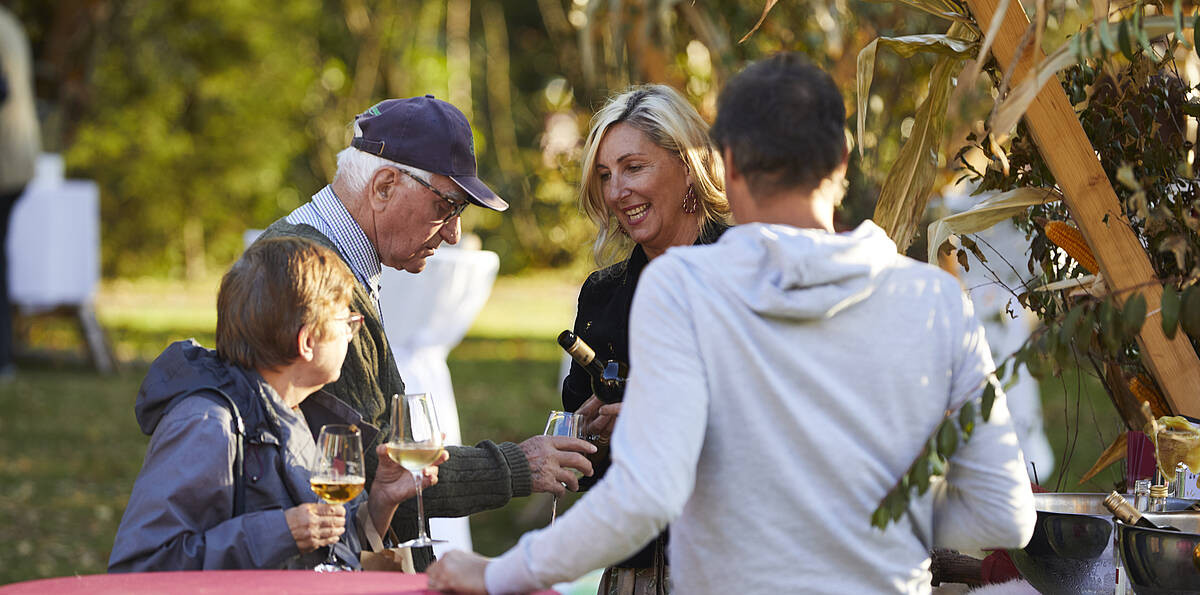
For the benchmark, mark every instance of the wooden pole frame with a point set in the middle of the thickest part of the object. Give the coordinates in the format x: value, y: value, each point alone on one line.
x: 1095, y: 207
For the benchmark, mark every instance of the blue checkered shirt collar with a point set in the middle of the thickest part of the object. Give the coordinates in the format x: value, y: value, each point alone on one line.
x: 328, y: 215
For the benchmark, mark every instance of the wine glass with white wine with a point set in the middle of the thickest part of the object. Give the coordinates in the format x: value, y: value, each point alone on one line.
x: 340, y: 476
x: 563, y: 423
x: 415, y: 443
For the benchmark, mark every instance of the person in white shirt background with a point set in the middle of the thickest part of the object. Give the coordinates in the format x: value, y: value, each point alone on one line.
x: 804, y: 371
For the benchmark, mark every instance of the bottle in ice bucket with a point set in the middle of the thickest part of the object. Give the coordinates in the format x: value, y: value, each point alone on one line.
x: 1123, y: 510
x: 1158, y: 498
x: 1141, y: 495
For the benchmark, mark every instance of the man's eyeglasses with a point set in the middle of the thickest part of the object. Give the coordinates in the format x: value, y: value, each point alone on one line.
x: 451, y: 209
x: 353, y: 320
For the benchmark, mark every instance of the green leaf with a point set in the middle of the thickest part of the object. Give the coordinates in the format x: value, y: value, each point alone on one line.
x: 947, y: 438
x: 1189, y: 312
x: 937, y: 465
x: 966, y: 419
x: 1123, y: 40
x: 1106, y: 39
x: 919, y: 472
x: 1177, y: 16
x: 1170, y: 311
x: 898, y: 504
x: 1196, y: 34
x: 989, y: 398
x: 1140, y: 25
x: 1110, y: 330
x: 1083, y: 334
x: 1134, y: 314
x: 1071, y: 324
x: 880, y: 518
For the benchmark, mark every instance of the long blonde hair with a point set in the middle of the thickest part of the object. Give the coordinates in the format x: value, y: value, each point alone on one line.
x: 670, y: 122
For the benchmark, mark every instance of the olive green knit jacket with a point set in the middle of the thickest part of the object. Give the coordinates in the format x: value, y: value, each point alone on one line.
x: 475, y: 479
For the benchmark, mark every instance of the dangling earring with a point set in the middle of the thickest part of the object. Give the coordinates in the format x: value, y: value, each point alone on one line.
x: 690, y: 202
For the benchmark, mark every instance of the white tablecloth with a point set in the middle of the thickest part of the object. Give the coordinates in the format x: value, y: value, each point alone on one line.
x: 425, y: 316
x: 54, y: 241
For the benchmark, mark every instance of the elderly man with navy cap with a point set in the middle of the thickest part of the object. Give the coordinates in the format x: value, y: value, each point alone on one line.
x: 400, y: 187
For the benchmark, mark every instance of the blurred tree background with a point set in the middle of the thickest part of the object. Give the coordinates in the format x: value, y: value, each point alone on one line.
x: 202, y: 118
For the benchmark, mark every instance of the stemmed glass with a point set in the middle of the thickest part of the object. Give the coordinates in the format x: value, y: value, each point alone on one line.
x: 415, y: 443
x: 339, y: 477
x: 563, y: 423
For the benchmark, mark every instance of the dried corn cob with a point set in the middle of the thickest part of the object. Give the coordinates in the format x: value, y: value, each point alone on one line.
x: 1142, y: 389
x: 1071, y: 240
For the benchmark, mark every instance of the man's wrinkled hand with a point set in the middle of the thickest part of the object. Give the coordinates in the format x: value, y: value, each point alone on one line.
x: 459, y: 572
x: 314, y: 525
x: 551, y: 460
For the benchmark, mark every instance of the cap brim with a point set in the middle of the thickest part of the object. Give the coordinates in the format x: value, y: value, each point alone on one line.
x: 478, y: 193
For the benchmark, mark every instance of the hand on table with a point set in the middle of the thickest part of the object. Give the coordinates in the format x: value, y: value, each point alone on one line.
x: 600, y: 417
x: 551, y: 459
x: 459, y: 572
x: 315, y: 524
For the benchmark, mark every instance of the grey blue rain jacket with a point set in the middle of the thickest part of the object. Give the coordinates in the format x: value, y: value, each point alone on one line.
x: 180, y: 515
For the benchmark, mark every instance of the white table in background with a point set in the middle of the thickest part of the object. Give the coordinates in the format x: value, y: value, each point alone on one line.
x: 425, y: 316
x: 54, y: 252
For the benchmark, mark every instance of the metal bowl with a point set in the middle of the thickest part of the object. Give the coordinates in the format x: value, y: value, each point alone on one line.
x: 1071, y: 549
x: 1160, y: 562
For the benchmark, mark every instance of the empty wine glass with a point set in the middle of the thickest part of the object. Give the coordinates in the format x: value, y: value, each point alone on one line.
x: 563, y: 423
x: 339, y: 477
x: 415, y: 443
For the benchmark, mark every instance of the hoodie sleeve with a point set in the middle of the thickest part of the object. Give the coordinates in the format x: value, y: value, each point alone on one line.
x: 179, y: 515
x: 986, y: 501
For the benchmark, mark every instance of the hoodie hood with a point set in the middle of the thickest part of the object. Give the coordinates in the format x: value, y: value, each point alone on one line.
x: 787, y: 272
x: 182, y: 368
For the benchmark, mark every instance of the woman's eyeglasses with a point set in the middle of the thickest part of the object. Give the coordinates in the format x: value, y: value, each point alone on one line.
x: 353, y: 320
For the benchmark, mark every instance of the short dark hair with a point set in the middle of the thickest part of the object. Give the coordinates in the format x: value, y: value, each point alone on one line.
x: 276, y: 287
x: 784, y: 122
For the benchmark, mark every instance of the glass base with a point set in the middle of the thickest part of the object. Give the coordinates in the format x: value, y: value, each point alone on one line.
x: 422, y: 542
x: 327, y: 567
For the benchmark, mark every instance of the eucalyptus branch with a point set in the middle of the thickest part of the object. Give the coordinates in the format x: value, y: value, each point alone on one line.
x: 955, y: 429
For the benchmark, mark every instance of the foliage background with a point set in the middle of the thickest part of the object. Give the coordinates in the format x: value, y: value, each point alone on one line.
x: 201, y: 118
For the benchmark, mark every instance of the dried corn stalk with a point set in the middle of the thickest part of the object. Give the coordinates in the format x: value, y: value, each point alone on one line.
x: 1071, y: 240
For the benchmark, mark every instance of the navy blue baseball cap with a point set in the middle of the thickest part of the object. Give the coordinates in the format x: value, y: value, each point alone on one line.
x: 429, y: 134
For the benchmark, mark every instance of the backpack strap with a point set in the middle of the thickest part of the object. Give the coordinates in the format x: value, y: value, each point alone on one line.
x: 239, y: 434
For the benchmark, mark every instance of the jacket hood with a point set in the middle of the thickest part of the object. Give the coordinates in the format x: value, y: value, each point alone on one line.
x: 802, y: 274
x: 181, y: 369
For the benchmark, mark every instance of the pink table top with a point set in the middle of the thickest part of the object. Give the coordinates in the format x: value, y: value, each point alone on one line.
x: 227, y: 582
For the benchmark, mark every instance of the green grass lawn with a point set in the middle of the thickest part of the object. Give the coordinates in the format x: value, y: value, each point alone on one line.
x: 72, y: 447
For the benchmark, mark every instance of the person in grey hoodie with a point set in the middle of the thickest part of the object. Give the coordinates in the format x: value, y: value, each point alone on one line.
x: 283, y: 327
x: 803, y: 371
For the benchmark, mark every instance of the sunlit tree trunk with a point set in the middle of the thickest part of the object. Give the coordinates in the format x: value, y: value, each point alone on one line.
x: 458, y: 55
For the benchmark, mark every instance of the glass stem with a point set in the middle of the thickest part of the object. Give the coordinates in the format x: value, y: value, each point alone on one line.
x: 331, y: 559
x: 553, y: 508
x: 420, y: 506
